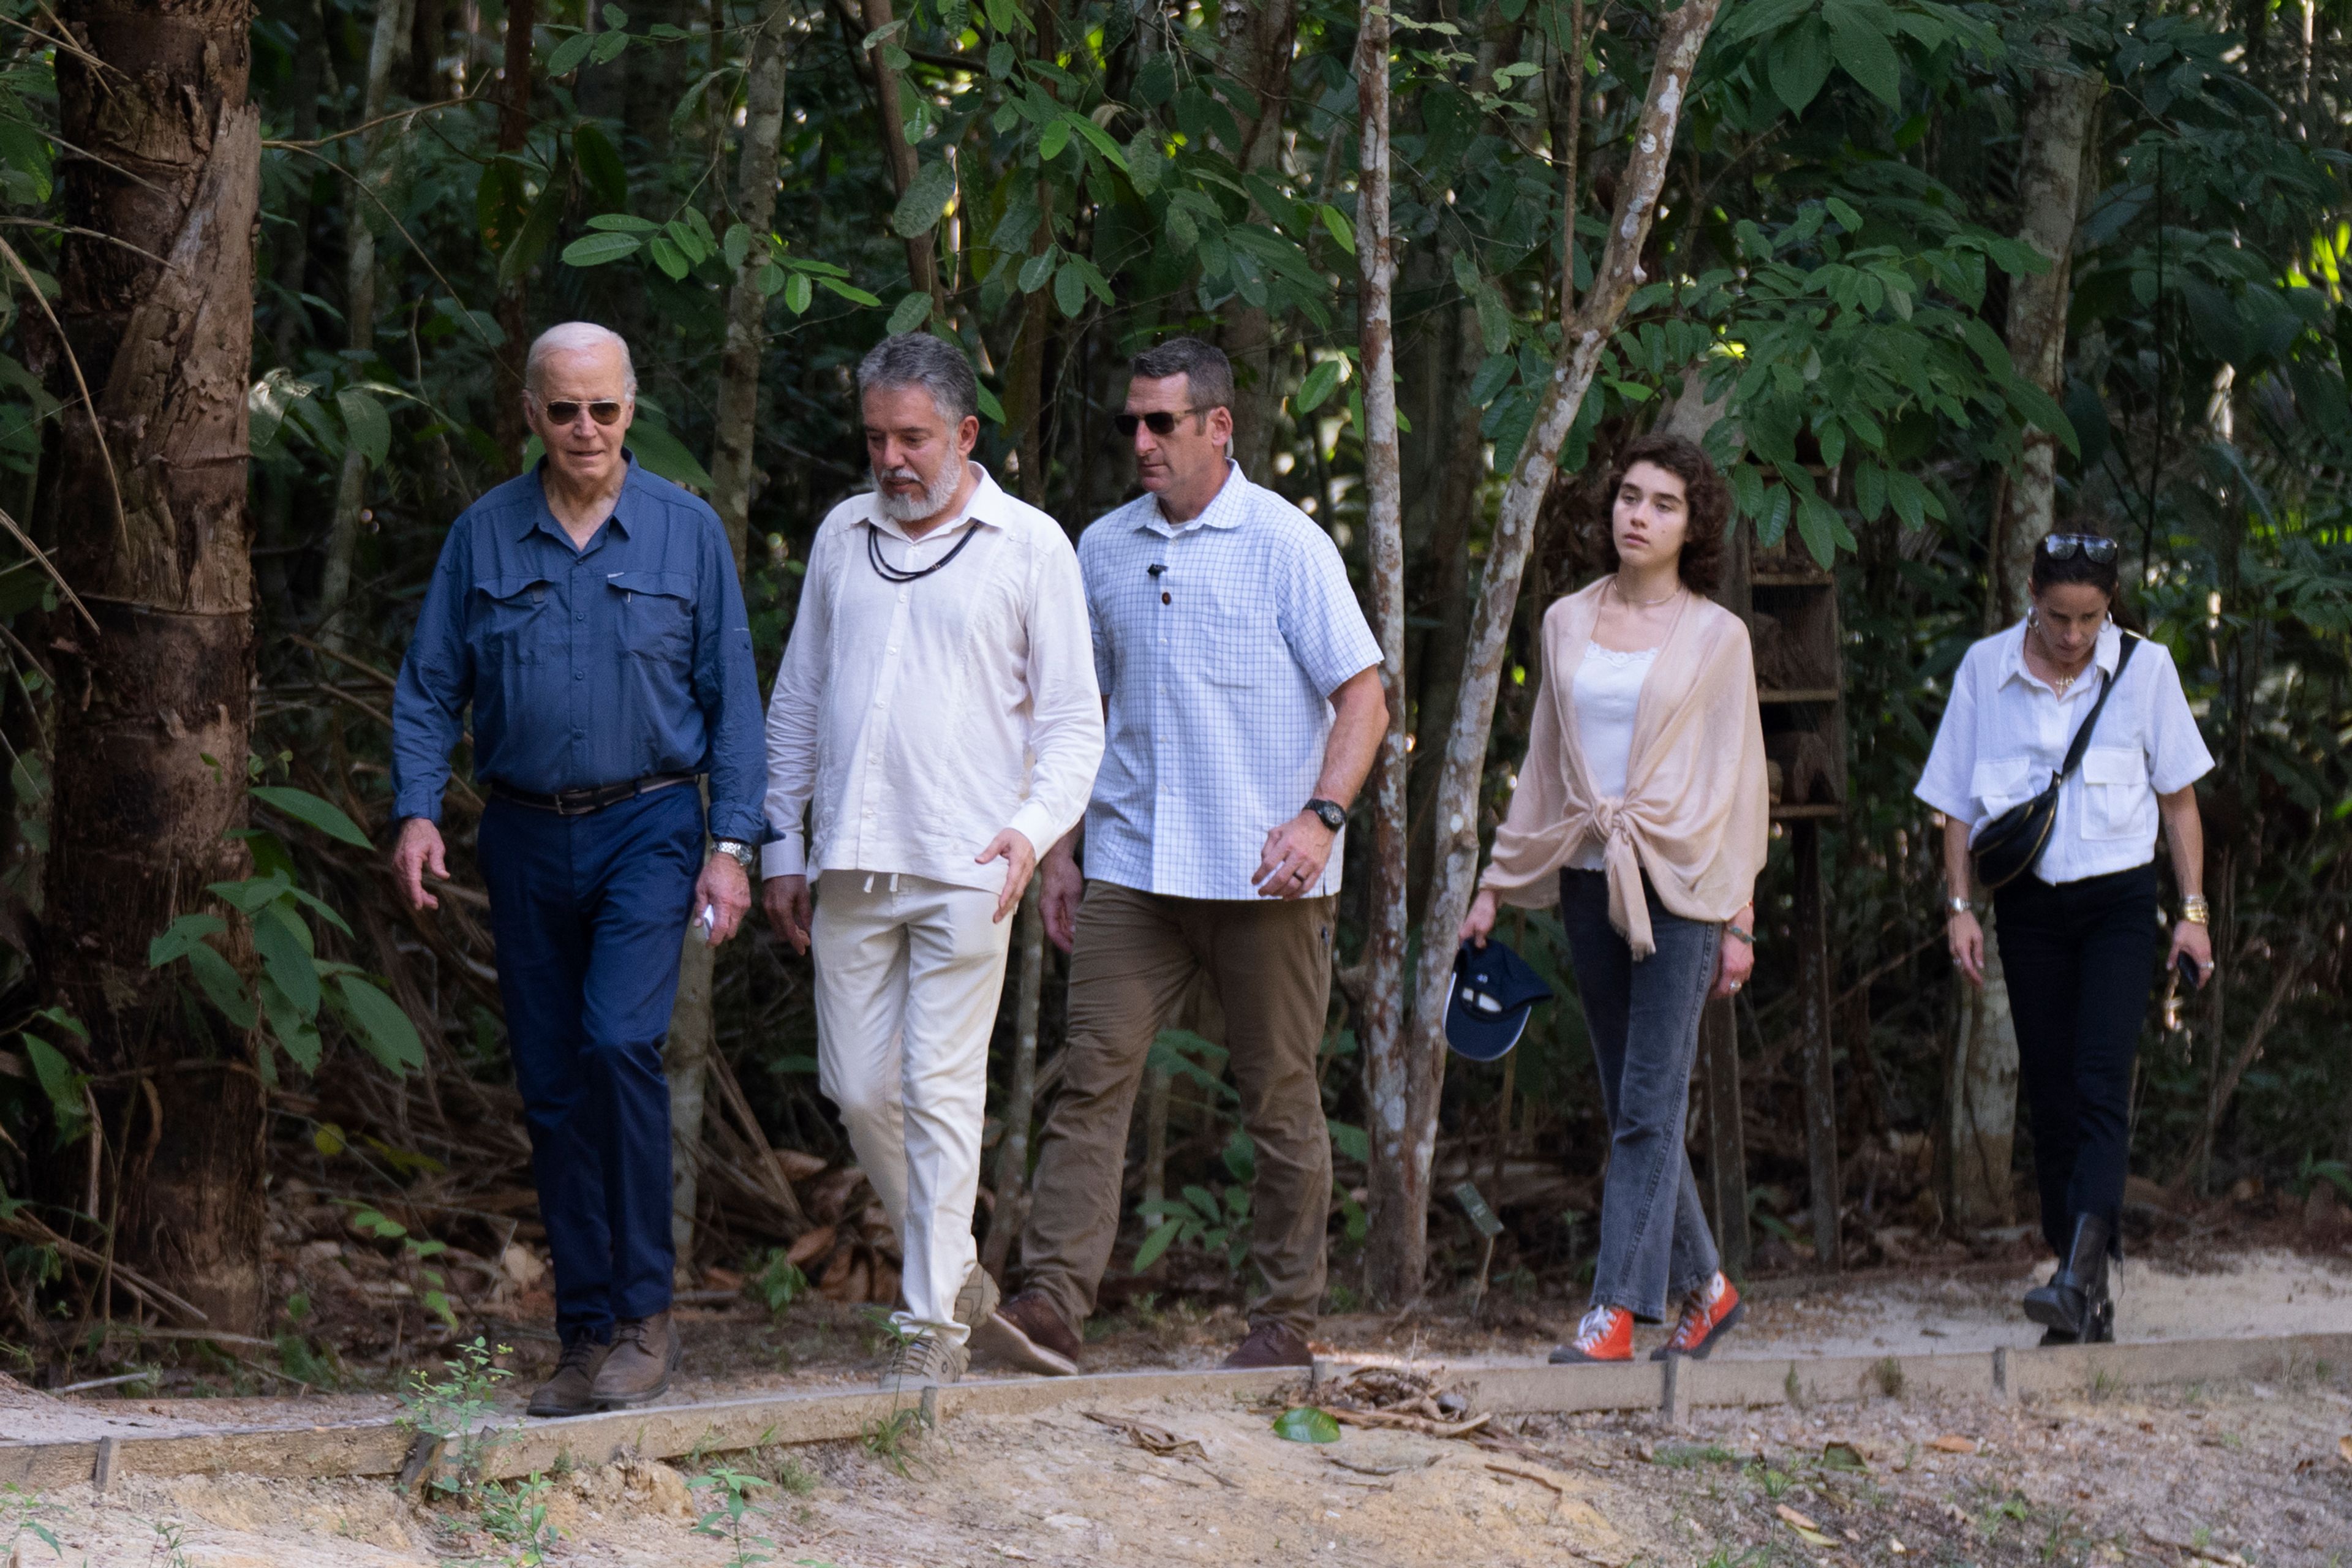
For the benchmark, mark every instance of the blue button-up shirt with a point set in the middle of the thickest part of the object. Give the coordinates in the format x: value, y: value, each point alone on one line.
x: 584, y: 667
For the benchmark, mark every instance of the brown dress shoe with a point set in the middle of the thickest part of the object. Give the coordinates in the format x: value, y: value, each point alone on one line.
x: 572, y: 1391
x: 645, y: 1351
x: 1028, y: 1332
x: 1271, y: 1344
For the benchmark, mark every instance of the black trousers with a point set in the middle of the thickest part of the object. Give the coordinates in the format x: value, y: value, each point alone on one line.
x: 2080, y: 958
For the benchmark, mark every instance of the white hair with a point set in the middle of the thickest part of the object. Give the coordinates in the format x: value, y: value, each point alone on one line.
x: 575, y: 337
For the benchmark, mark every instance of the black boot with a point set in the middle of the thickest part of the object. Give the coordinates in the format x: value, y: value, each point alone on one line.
x: 2075, y: 1301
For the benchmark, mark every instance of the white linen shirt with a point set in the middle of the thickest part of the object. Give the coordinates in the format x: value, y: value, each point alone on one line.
x: 2005, y: 732
x: 920, y: 718
x: 1219, y: 669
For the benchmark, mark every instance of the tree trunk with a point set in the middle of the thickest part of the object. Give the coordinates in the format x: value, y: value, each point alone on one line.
x: 1399, y: 1242
x: 1984, y: 1121
x: 1258, y: 37
x: 1380, y: 1024
x: 922, y: 258
x: 1004, y: 1221
x: 384, y: 51
x: 513, y: 302
x: 159, y: 548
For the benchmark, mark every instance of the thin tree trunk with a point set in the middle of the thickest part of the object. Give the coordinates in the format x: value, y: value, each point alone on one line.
x: 923, y: 261
x: 1388, y: 1075
x: 164, y: 682
x: 513, y: 301
x: 1399, y: 1241
x: 385, y: 49
x: 1004, y: 1221
x: 1259, y: 37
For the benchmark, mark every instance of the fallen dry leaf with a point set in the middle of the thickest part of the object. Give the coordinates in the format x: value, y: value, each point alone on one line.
x: 1949, y: 1444
x: 1896, y: 1546
x: 1791, y: 1516
x: 1842, y: 1453
x: 2343, y: 1446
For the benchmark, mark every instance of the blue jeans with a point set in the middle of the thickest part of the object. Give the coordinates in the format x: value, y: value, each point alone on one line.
x: 589, y: 913
x: 1656, y: 1247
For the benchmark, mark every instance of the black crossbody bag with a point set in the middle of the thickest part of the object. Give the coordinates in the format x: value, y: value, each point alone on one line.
x: 2007, y: 848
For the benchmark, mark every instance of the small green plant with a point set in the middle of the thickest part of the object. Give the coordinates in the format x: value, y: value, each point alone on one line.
x: 457, y: 1408
x: 1888, y: 1375
x: 515, y: 1515
x: 1691, y: 1455
x: 171, y: 1548
x: 21, y: 1515
x: 889, y: 1438
x: 776, y: 1282
x: 726, y: 1491
x: 383, y: 1227
x: 1217, y: 1224
x: 1990, y: 1522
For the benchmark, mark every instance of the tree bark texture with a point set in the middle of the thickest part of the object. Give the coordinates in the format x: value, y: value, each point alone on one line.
x: 173, y: 169
x: 1398, y: 1250
x: 1380, y: 1024
x: 1004, y: 1221
x: 369, y: 167
x: 2050, y: 198
x: 513, y: 302
x: 922, y: 251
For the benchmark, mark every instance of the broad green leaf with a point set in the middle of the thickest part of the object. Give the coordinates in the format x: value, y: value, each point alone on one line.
x: 1341, y: 229
x: 538, y: 230
x: 1493, y: 321
x: 1350, y: 1143
x: 370, y: 426
x: 1870, y: 490
x: 913, y: 311
x: 1038, y: 270
x: 600, y: 165
x: 221, y: 984
x: 1319, y: 385
x: 608, y: 48
x: 596, y: 249
x: 387, y: 1033
x: 615, y: 19
x: 990, y: 407
x: 662, y: 453
x: 186, y: 933
x: 2038, y: 407
x: 1070, y: 290
x: 624, y: 223
x: 850, y: 292
x: 286, y: 957
x: 62, y: 1085
x: 1154, y: 1245
x: 797, y: 291
x: 294, y: 1029
x: 1817, y: 525
x: 926, y: 197
x: 323, y: 814
x: 251, y: 894
x: 1801, y: 63
x: 1305, y: 1423
x: 737, y: 247
x: 1866, y: 56
x: 1098, y: 139
x: 569, y: 53
x: 666, y: 256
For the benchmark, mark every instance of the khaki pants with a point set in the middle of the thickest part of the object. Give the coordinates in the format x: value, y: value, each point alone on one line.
x: 1135, y: 954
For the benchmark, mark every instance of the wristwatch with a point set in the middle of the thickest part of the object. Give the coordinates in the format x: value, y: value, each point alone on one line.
x: 735, y: 850
x: 1332, y: 815
x: 1957, y: 905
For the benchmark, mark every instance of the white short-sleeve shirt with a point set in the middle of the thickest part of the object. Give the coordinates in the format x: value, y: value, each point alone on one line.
x: 2005, y: 732
x: 1217, y: 645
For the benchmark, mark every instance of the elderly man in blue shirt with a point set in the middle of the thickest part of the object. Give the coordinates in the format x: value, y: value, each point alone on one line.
x: 590, y: 615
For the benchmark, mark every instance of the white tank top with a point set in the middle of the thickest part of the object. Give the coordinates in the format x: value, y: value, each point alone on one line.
x: 1607, y: 689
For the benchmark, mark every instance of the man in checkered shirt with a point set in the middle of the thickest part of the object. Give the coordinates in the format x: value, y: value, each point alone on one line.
x: 1242, y: 689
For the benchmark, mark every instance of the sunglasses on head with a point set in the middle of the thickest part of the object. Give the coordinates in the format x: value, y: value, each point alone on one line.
x: 1161, y: 423
x: 604, y: 411
x: 2094, y: 547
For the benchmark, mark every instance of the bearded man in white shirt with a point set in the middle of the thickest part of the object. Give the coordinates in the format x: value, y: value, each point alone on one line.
x: 938, y: 709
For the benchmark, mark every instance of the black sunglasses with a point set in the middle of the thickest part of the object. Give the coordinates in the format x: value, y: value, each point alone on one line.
x: 605, y: 411
x: 1161, y: 423
x: 2095, y: 547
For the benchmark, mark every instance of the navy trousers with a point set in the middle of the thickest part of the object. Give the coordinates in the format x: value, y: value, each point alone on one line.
x: 589, y: 912
x: 2081, y: 959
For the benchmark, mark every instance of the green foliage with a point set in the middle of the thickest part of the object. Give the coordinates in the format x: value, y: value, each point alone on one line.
x: 775, y: 1281
x: 729, y: 1514
x: 1307, y: 1423
x: 457, y: 1408
x: 416, y: 1249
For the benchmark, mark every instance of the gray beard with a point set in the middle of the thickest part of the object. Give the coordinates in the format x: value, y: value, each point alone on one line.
x: 933, y: 499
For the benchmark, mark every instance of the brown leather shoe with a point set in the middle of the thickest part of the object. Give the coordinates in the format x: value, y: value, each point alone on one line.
x: 1028, y: 1332
x: 1271, y: 1344
x: 571, y: 1392
x: 645, y: 1351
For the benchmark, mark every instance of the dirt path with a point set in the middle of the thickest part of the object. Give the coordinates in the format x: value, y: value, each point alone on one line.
x: 2247, y: 1475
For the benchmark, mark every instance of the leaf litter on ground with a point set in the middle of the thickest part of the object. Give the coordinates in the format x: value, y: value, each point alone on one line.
x: 1153, y: 1439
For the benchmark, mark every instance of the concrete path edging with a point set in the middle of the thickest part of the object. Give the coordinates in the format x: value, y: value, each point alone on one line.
x: 520, y: 1447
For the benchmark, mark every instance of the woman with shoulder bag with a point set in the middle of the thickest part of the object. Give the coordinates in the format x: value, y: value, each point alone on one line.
x: 2066, y: 741
x: 1642, y: 805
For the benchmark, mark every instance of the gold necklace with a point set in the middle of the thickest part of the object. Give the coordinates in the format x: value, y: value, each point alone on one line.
x: 1619, y: 585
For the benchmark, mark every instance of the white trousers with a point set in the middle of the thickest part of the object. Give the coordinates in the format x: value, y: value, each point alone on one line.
x: 909, y: 973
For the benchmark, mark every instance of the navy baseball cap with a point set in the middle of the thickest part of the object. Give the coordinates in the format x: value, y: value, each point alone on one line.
x: 1493, y: 991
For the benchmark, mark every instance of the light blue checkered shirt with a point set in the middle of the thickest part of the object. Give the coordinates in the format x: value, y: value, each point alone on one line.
x: 1219, y: 671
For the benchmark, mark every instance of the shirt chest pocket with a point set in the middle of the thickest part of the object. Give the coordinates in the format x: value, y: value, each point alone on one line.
x: 508, y: 613
x: 653, y: 612
x: 1231, y: 646
x: 2004, y: 781
x: 2115, y: 791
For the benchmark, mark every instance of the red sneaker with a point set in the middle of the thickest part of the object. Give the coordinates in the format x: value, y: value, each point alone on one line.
x: 1606, y: 1335
x: 1713, y: 1310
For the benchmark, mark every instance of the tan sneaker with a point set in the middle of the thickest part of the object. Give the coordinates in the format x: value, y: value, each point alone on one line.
x: 922, y: 1360
x: 978, y: 1298
x: 645, y: 1351
x: 572, y: 1391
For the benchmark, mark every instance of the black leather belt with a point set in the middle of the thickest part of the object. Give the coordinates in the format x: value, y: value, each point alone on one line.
x: 581, y: 802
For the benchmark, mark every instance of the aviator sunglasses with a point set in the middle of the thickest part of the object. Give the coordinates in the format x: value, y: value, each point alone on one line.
x: 1161, y: 423
x: 605, y: 411
x: 2094, y: 547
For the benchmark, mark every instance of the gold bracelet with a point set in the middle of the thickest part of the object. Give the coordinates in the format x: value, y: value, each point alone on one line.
x: 2194, y: 909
